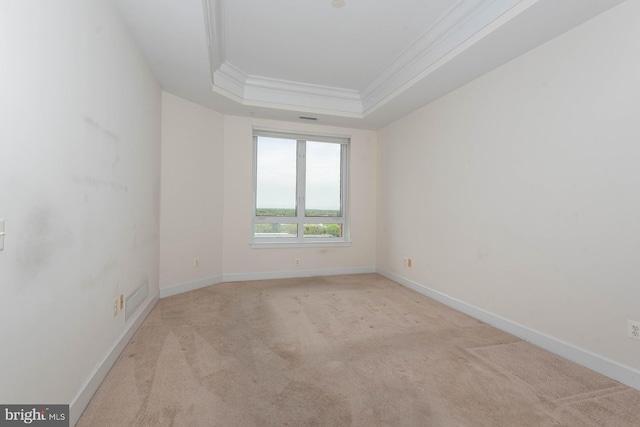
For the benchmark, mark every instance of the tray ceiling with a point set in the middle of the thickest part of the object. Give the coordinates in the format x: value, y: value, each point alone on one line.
x: 362, y: 65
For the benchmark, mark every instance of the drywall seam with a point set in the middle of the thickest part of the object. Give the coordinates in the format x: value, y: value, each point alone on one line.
x: 607, y: 367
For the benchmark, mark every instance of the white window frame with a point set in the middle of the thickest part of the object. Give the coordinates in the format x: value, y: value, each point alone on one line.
x: 300, y: 219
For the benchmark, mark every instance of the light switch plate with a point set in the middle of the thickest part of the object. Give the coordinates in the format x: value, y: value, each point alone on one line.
x: 1, y: 234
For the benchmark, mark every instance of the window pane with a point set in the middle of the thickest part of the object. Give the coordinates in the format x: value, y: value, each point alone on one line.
x: 323, y: 180
x: 276, y: 177
x: 323, y: 230
x: 275, y: 230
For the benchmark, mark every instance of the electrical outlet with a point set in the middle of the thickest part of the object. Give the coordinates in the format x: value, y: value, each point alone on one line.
x: 115, y: 307
x: 633, y: 329
x: 196, y: 262
x: 297, y: 261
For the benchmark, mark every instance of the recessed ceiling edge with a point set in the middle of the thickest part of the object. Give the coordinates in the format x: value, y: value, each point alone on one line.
x: 461, y: 26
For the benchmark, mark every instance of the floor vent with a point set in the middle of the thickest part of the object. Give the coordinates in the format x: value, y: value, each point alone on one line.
x: 134, y: 300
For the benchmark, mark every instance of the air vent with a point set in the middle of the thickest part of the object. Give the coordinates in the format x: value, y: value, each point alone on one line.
x: 307, y: 118
x: 134, y: 300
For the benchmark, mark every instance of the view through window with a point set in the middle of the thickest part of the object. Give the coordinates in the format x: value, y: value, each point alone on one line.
x: 299, y: 188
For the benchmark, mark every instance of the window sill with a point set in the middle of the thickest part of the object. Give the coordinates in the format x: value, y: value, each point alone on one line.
x: 283, y: 245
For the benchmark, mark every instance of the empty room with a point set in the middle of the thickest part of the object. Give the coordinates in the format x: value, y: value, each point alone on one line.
x: 320, y: 213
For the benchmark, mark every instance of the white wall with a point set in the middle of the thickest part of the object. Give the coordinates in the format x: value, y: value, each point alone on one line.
x: 192, y: 189
x: 240, y: 259
x: 207, y: 195
x: 519, y: 192
x: 79, y: 189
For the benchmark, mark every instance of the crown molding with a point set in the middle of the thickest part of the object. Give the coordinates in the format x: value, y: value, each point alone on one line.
x: 461, y: 26
x: 464, y: 20
x: 215, y: 29
x: 285, y: 107
x: 231, y: 79
x: 257, y: 89
x: 302, y: 94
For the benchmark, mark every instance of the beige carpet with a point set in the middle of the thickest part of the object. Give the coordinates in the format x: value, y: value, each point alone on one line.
x: 355, y: 350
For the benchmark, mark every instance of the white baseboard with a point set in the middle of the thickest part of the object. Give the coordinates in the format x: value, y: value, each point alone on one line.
x: 288, y: 274
x: 189, y: 286
x: 91, y: 384
x: 621, y: 373
x: 609, y: 368
x: 242, y: 277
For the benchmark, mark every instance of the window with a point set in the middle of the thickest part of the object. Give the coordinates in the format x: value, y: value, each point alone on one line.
x: 299, y: 188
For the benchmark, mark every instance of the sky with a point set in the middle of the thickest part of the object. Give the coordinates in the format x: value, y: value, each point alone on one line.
x: 277, y: 174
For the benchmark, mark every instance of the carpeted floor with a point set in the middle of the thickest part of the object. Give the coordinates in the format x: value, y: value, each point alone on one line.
x: 356, y: 350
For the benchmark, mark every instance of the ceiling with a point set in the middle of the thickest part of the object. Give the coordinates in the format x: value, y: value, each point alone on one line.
x: 362, y: 65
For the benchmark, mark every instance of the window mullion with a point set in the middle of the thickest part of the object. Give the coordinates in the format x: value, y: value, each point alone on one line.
x: 255, y: 185
x: 301, y: 187
x: 344, y: 185
x: 270, y: 228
